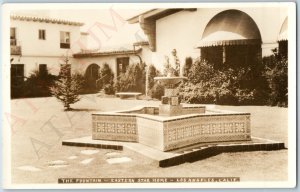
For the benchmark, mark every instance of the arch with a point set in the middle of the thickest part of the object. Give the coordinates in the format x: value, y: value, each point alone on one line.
x: 283, y: 39
x: 230, y: 27
x: 231, y: 37
x: 91, y: 76
x: 283, y: 33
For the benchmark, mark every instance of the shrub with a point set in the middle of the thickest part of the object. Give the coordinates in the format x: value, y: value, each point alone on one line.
x: 109, y: 89
x: 276, y: 72
x: 157, y: 91
x: 38, y: 85
x: 106, y: 79
x: 205, y: 84
x: 152, y: 72
x: 66, y: 89
x: 133, y: 79
x: 187, y: 66
x: 242, y: 85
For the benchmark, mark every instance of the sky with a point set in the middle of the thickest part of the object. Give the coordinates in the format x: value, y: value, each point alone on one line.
x: 122, y: 36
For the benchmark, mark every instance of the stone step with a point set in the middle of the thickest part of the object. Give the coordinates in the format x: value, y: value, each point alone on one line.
x: 176, y: 157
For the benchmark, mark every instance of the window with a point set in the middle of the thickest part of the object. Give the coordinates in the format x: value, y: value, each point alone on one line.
x: 122, y: 64
x: 43, y: 69
x: 42, y: 34
x: 13, y: 40
x: 65, y: 40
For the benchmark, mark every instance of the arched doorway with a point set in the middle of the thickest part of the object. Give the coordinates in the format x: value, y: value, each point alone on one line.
x: 283, y: 39
x: 231, y: 37
x: 91, y: 77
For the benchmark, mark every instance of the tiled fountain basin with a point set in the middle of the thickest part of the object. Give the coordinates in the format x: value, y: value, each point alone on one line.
x: 195, y: 125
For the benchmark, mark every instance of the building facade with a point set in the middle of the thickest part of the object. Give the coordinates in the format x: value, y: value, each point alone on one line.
x: 235, y: 35
x: 218, y: 34
x: 42, y: 44
x: 37, y: 43
x: 90, y: 63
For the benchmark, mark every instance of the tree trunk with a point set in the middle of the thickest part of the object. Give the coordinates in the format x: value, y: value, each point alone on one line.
x: 67, y: 107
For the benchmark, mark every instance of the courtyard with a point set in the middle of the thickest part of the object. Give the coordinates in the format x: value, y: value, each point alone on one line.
x: 40, y: 124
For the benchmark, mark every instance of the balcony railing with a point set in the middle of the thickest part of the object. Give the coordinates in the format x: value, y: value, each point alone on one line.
x: 15, y: 50
x: 65, y: 45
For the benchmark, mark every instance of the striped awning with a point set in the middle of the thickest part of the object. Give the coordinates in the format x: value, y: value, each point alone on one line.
x: 283, y: 34
x: 224, y: 38
x: 230, y: 27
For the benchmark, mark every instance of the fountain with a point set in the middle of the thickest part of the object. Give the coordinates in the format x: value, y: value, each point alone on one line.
x: 172, y: 125
x: 173, y: 129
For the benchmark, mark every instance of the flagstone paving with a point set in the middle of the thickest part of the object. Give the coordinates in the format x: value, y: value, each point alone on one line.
x: 28, y: 168
x: 72, y: 157
x: 118, y: 160
x: 87, y: 161
x: 89, y: 152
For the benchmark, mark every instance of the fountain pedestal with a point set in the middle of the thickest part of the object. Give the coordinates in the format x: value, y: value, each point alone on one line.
x: 170, y: 102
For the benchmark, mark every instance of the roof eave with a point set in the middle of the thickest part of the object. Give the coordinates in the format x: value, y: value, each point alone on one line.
x: 107, y: 53
x: 135, y: 19
x: 45, y: 20
x: 157, y: 14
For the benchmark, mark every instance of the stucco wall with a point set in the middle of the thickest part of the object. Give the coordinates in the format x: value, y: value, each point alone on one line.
x: 184, y: 29
x: 80, y: 64
x: 27, y: 37
x: 32, y: 63
x: 35, y: 51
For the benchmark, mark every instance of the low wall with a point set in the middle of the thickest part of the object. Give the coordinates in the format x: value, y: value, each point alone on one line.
x: 169, y: 133
x: 206, y: 128
x: 150, y: 132
x: 116, y: 127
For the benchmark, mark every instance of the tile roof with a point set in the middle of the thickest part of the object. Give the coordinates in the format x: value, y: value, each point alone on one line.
x: 106, y: 53
x: 45, y: 20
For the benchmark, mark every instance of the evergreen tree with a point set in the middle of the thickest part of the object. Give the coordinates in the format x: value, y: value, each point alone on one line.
x: 66, y: 88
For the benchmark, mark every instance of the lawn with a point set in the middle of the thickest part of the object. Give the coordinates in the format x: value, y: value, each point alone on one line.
x: 40, y: 125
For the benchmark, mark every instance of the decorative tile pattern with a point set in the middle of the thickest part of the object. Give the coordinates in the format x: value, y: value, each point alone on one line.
x: 115, y: 127
x: 164, y: 100
x: 189, y: 131
x: 171, y: 133
x: 174, y: 101
x: 171, y: 92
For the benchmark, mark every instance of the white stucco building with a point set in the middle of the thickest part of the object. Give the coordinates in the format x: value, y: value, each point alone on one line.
x: 38, y: 43
x: 220, y: 35
x: 214, y: 32
x: 90, y: 62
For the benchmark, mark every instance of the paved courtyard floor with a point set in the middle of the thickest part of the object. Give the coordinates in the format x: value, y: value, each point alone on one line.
x: 39, y: 125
